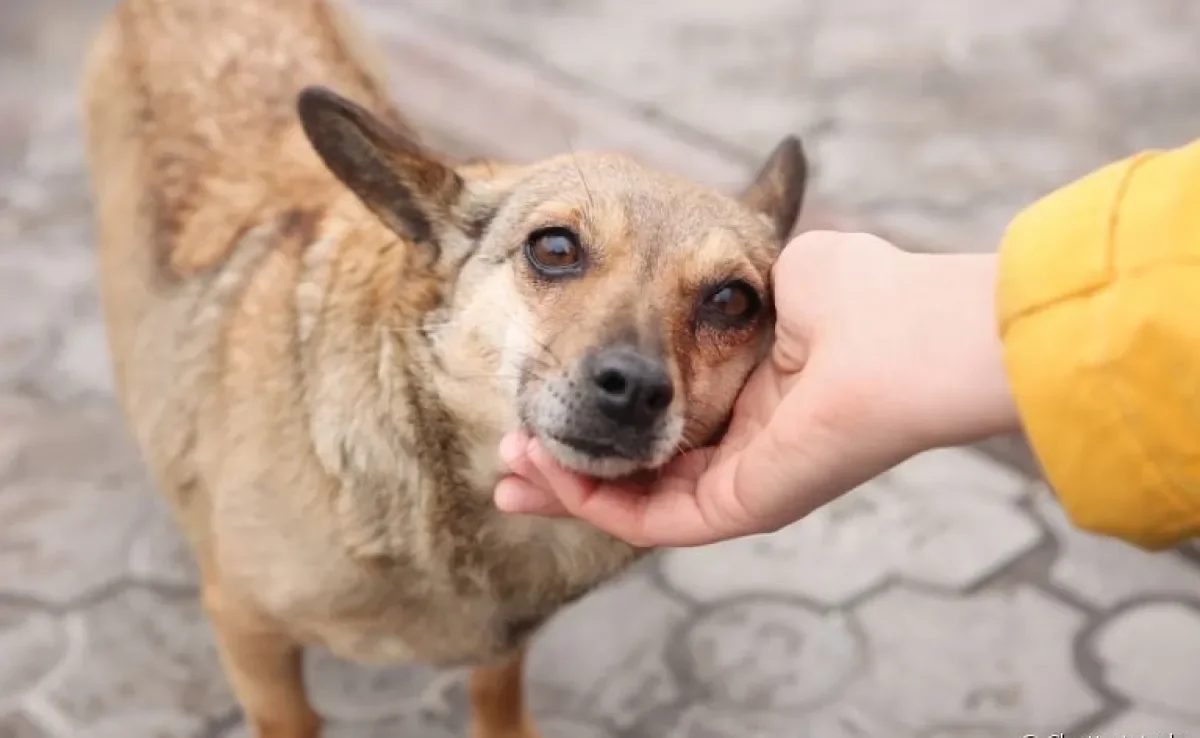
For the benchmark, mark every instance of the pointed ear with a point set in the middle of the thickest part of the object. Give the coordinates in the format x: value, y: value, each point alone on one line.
x: 412, y: 192
x: 777, y: 191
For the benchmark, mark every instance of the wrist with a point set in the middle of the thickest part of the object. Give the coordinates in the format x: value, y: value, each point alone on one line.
x: 974, y: 399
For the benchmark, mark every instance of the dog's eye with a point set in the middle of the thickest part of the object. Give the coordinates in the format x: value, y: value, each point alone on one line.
x: 554, y: 251
x: 732, y: 303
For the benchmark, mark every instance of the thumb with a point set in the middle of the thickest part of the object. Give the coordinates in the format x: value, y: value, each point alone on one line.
x: 801, y: 459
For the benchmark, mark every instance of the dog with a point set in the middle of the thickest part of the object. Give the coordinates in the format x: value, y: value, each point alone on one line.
x: 320, y: 330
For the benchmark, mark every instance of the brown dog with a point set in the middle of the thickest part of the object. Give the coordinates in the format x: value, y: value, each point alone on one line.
x: 320, y: 332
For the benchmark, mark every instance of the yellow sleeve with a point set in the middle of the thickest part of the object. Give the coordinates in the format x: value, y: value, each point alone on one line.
x: 1099, y: 309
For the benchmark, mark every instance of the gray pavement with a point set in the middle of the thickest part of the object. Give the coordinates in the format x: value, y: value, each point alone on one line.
x: 934, y: 119
x: 948, y: 599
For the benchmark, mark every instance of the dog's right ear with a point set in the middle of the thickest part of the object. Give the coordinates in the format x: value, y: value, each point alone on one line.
x: 406, y: 187
x: 777, y: 192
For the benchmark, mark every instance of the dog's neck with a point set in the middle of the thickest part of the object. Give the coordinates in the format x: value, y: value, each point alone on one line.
x: 458, y: 370
x: 402, y: 404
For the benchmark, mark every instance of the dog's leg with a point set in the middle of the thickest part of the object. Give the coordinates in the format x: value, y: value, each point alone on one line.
x: 498, y: 700
x: 264, y: 667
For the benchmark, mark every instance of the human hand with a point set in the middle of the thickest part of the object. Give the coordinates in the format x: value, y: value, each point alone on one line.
x: 878, y: 355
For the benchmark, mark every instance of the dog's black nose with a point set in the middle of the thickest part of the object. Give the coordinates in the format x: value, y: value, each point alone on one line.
x: 629, y: 387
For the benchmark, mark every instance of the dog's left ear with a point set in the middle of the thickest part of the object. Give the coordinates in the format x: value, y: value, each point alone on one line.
x: 777, y: 192
x: 416, y: 195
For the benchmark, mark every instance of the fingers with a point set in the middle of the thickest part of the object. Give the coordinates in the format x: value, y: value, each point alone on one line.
x: 515, y: 495
x: 525, y: 490
x: 665, y: 513
x: 539, y: 485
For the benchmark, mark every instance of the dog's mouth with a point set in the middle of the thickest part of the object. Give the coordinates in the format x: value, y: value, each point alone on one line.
x: 590, y: 457
x: 595, y: 449
x: 585, y: 440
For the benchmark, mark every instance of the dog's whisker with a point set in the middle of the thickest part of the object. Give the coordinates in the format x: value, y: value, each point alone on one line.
x: 480, y: 375
x: 490, y: 375
x: 542, y: 346
x: 545, y: 345
x: 575, y: 162
x: 419, y: 330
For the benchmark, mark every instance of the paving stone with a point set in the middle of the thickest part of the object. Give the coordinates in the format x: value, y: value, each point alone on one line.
x: 40, y: 274
x: 26, y: 334
x: 963, y: 470
x: 406, y: 726
x: 968, y: 731
x: 19, y: 725
x: 81, y: 364
x: 47, y: 238
x: 1151, y: 654
x: 389, y: 729
x: 56, y: 146
x: 948, y: 536
x: 641, y: 685
x: 72, y: 492
x: 350, y: 692
x: 16, y: 414
x: 953, y: 539
x: 605, y: 655
x: 707, y: 721
x: 241, y: 730
x: 1135, y: 722
x: 569, y: 727
x: 424, y: 726
x: 512, y: 108
x: 684, y: 63
x: 1000, y: 658
x: 90, y: 434
x: 771, y: 655
x: 64, y: 540
x: 144, y: 725
x: 45, y: 221
x: 14, y: 130
x: 142, y: 657
x: 32, y: 644
x: 1105, y: 571
x: 932, y: 121
x: 701, y: 720
x: 830, y: 557
x: 158, y: 553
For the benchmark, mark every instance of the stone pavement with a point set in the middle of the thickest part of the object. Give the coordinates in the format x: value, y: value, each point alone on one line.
x: 948, y: 599
x: 935, y: 120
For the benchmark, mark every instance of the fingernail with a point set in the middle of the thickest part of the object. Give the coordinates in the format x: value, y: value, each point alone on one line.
x: 513, y: 497
x: 505, y: 498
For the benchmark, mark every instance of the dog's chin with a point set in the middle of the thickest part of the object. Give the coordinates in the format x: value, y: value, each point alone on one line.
x: 595, y: 463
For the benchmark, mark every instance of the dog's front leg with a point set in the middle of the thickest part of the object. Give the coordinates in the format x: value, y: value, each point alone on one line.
x: 264, y: 667
x: 498, y: 700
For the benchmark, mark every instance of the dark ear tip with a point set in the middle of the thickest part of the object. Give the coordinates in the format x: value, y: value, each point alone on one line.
x: 793, y: 149
x: 315, y: 98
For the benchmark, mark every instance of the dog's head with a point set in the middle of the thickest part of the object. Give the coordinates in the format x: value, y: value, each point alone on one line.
x: 619, y: 309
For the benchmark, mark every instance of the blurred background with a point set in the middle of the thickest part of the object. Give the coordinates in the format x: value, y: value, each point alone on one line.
x: 948, y: 599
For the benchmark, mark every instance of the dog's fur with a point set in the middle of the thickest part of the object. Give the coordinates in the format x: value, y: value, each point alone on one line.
x: 320, y: 331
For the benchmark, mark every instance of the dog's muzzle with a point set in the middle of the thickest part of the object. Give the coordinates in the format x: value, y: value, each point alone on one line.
x: 622, y: 397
